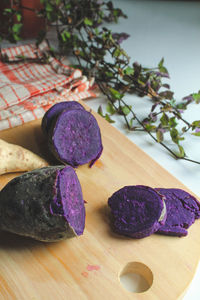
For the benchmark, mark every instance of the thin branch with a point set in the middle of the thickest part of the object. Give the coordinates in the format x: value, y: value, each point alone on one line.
x: 102, y: 88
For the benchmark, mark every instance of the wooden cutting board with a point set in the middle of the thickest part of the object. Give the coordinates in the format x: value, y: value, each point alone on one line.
x: 89, y: 267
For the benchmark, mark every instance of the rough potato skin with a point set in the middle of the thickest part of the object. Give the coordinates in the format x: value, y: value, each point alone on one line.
x: 25, y: 206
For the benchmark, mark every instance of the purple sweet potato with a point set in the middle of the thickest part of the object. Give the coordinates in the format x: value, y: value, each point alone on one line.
x: 137, y: 211
x: 45, y: 204
x: 182, y: 210
x: 55, y: 110
x: 75, y: 138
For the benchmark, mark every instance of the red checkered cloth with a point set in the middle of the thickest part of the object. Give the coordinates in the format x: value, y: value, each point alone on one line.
x: 29, y: 89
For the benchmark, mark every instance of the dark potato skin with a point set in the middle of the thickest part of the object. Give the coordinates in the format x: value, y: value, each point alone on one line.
x: 27, y: 205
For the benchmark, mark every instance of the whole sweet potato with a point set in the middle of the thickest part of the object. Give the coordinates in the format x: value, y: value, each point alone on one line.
x: 15, y: 158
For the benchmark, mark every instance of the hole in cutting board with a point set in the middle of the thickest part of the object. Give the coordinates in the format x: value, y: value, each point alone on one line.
x: 136, y: 277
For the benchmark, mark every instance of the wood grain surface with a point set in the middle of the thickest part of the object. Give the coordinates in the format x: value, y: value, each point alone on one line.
x: 89, y: 267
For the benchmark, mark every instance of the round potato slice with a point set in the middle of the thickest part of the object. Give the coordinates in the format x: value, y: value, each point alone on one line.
x: 137, y: 211
x: 75, y: 138
x: 55, y: 110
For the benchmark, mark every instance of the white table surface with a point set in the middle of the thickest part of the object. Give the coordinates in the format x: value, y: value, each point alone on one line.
x: 169, y: 29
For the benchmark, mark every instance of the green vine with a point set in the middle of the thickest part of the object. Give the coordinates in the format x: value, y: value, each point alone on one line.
x: 81, y: 32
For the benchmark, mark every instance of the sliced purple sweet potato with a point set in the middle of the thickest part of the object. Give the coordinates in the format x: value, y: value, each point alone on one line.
x: 182, y: 210
x: 45, y: 204
x: 75, y: 138
x: 137, y: 211
x: 55, y: 110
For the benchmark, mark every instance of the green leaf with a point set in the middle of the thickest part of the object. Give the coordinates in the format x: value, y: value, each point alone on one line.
x: 100, y: 111
x: 81, y: 53
x: 96, y: 31
x: 18, y: 16
x: 110, y: 109
x: 48, y: 7
x: 174, y: 135
x: 126, y: 109
x: 7, y: 10
x: 109, y: 73
x: 88, y: 22
x: 115, y: 94
x: 161, y: 67
x: 163, y: 70
x: 107, y: 117
x: 16, y: 28
x: 161, y: 62
x: 159, y: 136
x: 196, y: 124
x: 16, y: 37
x: 117, y: 52
x: 21, y: 57
x: 115, y: 12
x: 150, y: 127
x: 196, y: 97
x: 181, y: 106
x: 196, y: 133
x: 164, y: 119
x: 129, y: 71
x: 49, y: 15
x: 67, y: 6
x: 172, y: 122
x: 65, y: 35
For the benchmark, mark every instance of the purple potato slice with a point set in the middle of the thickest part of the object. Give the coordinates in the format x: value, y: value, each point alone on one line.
x: 137, y: 211
x: 45, y: 204
x: 75, y: 138
x: 182, y: 210
x: 55, y: 110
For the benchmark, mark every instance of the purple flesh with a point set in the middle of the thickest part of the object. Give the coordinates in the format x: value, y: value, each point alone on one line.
x: 68, y: 201
x: 76, y: 138
x: 55, y: 110
x: 137, y: 211
x: 182, y: 210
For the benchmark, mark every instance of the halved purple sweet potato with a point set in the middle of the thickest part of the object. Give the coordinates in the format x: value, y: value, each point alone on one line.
x: 55, y: 110
x: 137, y: 211
x: 75, y: 138
x: 182, y: 210
x: 45, y: 204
